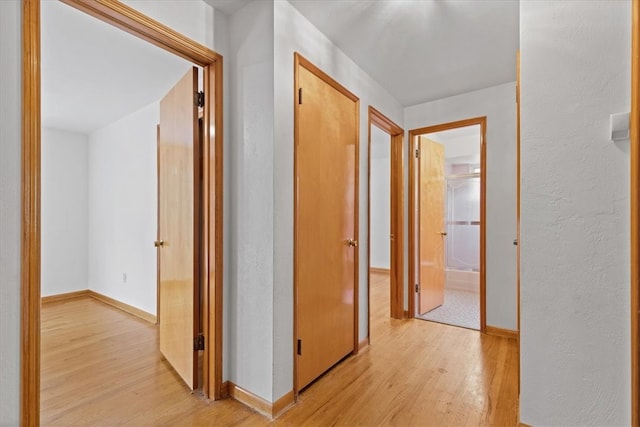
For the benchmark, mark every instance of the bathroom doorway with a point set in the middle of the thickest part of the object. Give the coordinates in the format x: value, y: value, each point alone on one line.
x: 448, y: 224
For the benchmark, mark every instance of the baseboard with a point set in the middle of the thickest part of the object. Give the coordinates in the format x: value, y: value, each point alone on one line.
x: 379, y: 270
x: 66, y: 296
x: 268, y: 409
x: 281, y: 405
x: 505, y: 333
x: 141, y: 314
x: 224, y: 390
x: 364, y: 343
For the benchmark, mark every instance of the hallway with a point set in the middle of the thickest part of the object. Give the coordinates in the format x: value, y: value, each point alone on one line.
x: 101, y: 366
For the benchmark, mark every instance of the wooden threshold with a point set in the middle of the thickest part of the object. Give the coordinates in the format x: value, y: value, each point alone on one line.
x: 377, y: 270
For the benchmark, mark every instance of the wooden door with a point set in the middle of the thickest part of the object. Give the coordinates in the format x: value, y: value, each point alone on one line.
x: 431, y: 225
x: 325, y: 223
x: 179, y: 295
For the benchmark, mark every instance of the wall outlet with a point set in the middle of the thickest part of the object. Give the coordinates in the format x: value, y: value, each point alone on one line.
x: 124, y: 277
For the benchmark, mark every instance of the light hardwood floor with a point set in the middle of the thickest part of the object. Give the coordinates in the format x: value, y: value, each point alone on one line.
x: 101, y: 366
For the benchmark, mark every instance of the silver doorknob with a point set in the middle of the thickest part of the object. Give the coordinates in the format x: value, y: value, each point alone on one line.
x: 352, y: 243
x: 158, y: 243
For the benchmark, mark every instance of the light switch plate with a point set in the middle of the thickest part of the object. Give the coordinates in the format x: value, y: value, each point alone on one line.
x: 619, y: 126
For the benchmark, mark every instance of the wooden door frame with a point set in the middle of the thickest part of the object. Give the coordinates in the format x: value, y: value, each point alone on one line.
x: 413, y: 171
x: 130, y: 20
x: 301, y: 61
x: 635, y: 212
x: 396, y: 276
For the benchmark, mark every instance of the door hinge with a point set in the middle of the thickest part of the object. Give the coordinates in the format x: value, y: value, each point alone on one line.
x: 198, y: 99
x: 198, y: 342
x: 418, y: 287
x: 417, y: 153
x: 299, y: 95
x: 299, y: 351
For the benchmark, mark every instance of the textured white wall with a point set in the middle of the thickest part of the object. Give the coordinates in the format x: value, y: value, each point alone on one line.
x: 498, y: 104
x: 380, y: 198
x: 64, y: 210
x: 575, y: 338
x: 123, y: 209
x: 10, y: 125
x: 251, y: 299
x: 293, y: 32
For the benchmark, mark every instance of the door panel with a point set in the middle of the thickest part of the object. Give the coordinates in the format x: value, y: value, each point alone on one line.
x: 326, y: 212
x: 179, y: 300
x: 431, y: 224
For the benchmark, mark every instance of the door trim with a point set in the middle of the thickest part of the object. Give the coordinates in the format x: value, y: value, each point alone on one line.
x: 518, y: 84
x: 130, y: 20
x: 635, y: 213
x: 301, y: 61
x: 413, y: 170
x: 396, y: 276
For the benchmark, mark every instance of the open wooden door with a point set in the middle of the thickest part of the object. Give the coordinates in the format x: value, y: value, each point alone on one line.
x: 179, y: 293
x: 325, y: 223
x: 431, y: 202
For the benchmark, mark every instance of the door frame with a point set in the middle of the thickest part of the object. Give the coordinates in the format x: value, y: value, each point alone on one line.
x: 413, y: 241
x: 396, y: 276
x: 301, y: 61
x: 130, y: 20
x: 635, y: 212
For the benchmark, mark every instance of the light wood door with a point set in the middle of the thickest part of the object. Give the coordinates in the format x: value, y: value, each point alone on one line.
x: 179, y: 299
x: 431, y: 225
x: 326, y: 211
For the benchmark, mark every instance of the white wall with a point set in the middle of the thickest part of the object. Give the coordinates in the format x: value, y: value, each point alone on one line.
x: 294, y: 33
x: 380, y: 198
x: 64, y: 210
x: 10, y: 125
x: 498, y: 104
x: 251, y: 298
x: 575, y: 337
x: 194, y: 18
x: 123, y: 209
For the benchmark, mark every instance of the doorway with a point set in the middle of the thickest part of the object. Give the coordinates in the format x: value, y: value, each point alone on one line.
x: 386, y: 210
x: 447, y: 227
x: 325, y: 223
x: 128, y: 19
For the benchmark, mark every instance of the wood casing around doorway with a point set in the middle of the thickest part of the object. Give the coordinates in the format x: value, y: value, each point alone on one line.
x: 376, y: 118
x: 635, y: 213
x: 413, y: 170
x: 130, y: 20
x: 325, y: 222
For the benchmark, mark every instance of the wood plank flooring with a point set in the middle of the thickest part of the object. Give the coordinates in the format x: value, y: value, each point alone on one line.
x: 101, y: 366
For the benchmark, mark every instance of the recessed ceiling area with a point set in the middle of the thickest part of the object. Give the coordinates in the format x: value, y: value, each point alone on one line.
x: 94, y: 74
x: 423, y: 50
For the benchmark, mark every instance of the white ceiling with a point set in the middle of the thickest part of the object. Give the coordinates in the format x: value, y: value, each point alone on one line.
x: 94, y: 74
x: 419, y: 50
x: 228, y: 6
x: 422, y: 50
